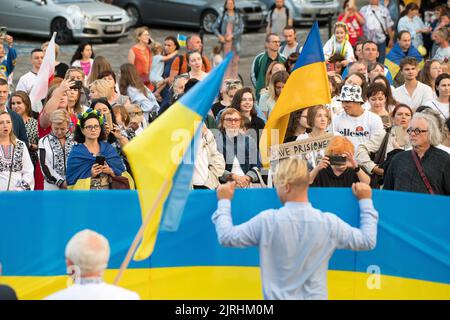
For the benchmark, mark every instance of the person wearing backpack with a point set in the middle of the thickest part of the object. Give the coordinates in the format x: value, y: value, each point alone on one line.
x: 279, y: 16
x: 229, y: 28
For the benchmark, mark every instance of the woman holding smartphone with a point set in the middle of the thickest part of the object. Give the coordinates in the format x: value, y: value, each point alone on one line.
x: 92, y: 162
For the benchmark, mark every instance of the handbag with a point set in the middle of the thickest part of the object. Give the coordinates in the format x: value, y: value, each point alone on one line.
x: 378, y: 158
x: 259, y: 184
x: 421, y: 172
x: 119, y: 183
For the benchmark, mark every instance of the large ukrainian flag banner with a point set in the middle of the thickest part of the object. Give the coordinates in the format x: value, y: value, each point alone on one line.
x: 307, y: 86
x: 157, y: 154
x: 411, y: 259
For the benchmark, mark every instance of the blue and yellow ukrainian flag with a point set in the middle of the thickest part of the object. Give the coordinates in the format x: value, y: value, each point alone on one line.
x: 181, y: 38
x: 156, y: 154
x: 307, y: 86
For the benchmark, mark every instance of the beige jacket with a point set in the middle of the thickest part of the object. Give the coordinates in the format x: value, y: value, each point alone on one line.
x: 371, y: 146
x: 216, y: 162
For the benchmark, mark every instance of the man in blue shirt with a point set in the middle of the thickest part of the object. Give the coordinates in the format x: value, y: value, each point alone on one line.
x: 7, y: 64
x: 296, y: 241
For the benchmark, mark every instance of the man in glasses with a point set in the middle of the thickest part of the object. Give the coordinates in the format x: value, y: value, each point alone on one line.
x: 425, y: 168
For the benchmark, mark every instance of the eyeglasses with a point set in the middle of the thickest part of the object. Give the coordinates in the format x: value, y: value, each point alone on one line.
x: 416, y: 131
x: 134, y: 114
x: 94, y: 127
x: 232, y: 120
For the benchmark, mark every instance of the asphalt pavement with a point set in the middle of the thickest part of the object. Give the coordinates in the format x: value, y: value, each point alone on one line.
x: 252, y: 44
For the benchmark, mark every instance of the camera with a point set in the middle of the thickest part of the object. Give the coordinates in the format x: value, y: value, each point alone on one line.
x: 337, y: 160
x: 3, y: 31
x: 100, y: 160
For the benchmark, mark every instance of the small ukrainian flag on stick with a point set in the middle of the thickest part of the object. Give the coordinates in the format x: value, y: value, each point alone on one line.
x: 181, y: 40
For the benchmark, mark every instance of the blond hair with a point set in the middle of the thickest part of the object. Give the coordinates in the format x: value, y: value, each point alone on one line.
x: 293, y: 171
x: 103, y: 87
x: 44, y: 47
x: 139, y: 31
x: 59, y: 116
x: 157, y: 48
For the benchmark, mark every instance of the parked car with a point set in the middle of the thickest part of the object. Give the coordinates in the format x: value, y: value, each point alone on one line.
x: 310, y: 10
x: 70, y: 19
x: 190, y: 13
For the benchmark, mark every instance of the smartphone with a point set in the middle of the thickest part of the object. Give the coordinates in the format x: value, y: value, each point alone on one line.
x: 78, y: 85
x: 337, y: 160
x: 3, y: 31
x: 100, y: 160
x: 109, y: 120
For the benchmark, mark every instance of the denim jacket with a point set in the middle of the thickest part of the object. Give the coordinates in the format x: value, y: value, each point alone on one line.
x: 220, y: 28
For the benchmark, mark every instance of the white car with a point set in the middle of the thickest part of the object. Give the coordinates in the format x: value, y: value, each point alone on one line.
x: 71, y: 19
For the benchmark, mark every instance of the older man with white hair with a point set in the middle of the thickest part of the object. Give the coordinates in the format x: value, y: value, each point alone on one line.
x: 88, y: 253
x: 425, y: 168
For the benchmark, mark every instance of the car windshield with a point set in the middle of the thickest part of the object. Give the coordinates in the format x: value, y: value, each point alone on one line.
x: 72, y: 1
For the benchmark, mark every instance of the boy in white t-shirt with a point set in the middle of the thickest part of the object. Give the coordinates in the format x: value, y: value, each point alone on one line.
x: 356, y: 123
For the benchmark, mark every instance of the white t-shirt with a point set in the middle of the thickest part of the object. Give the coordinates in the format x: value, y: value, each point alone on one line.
x: 440, y: 107
x: 26, y: 82
x: 94, y: 291
x: 421, y: 95
x: 358, y: 129
x: 442, y: 54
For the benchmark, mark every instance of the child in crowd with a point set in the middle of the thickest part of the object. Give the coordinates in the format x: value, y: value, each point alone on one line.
x: 157, y: 69
x: 338, y: 48
x: 217, y: 55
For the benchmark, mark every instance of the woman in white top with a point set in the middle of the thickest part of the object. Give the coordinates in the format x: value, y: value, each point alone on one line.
x: 195, y: 62
x: 338, y: 44
x: 318, y: 119
x: 83, y: 58
x: 16, y: 168
x: 441, y: 103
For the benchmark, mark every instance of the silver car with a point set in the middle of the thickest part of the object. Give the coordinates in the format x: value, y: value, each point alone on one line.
x: 310, y: 10
x: 190, y: 13
x: 71, y: 19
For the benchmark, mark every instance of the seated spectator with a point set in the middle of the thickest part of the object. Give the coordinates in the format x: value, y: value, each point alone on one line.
x: 378, y: 97
x: 440, y: 123
x: 384, y: 81
x: 318, y: 119
x: 16, y: 168
x: 338, y: 168
x: 132, y: 86
x: 441, y: 103
x: 374, y: 69
x: 209, y: 163
x: 356, y: 123
x: 402, y: 48
x: 413, y: 93
x: 425, y: 169
x: 89, y: 251
x: 412, y: 22
x: 239, y: 151
x: 429, y: 73
x: 137, y: 122
x: 92, y: 162
x: 371, y: 155
x: 357, y: 79
x: 268, y: 99
x: 353, y: 20
x: 229, y: 88
x: 54, y: 150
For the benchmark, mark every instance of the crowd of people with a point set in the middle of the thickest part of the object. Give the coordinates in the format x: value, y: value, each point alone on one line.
x: 389, y: 113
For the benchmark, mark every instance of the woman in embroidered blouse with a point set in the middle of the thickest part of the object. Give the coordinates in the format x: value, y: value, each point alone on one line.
x: 21, y: 104
x: 141, y: 56
x: 229, y: 28
x: 54, y: 149
x: 16, y: 168
x: 84, y: 169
